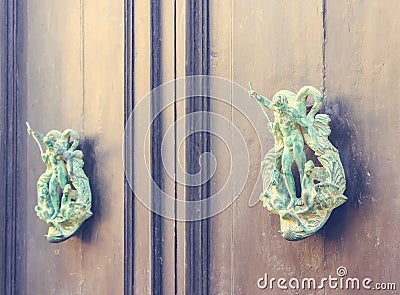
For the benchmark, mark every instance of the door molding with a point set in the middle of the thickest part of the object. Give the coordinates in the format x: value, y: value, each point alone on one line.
x: 13, y: 151
x: 192, y: 238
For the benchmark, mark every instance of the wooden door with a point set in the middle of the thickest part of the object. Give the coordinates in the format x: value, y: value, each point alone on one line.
x: 87, y: 65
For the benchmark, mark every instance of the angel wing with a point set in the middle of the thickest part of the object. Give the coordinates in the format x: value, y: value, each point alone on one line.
x: 329, y: 155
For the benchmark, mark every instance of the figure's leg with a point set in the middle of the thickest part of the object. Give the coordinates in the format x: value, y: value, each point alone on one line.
x: 55, y: 198
x: 62, y: 176
x: 287, y: 160
x: 304, y: 195
x: 65, y: 187
x: 300, y: 159
x: 278, y: 162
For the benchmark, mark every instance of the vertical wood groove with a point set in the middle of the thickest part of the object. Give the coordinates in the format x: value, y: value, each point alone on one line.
x: 324, y: 36
x: 155, y: 152
x: 324, y: 48
x: 198, y: 63
x: 82, y: 65
x: 129, y: 213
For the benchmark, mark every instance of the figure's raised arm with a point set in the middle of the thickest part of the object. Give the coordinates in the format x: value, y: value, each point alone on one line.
x: 35, y: 134
x: 301, y: 120
x: 70, y: 134
x: 265, y: 101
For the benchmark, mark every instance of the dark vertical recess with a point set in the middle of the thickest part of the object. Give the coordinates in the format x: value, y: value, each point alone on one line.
x: 13, y: 151
x: 129, y: 210
x: 176, y: 160
x: 198, y: 63
x: 324, y: 48
x: 155, y: 152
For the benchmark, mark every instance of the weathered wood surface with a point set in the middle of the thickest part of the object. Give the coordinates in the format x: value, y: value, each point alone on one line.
x: 71, y: 75
x: 75, y: 79
x: 276, y: 47
x: 347, y: 50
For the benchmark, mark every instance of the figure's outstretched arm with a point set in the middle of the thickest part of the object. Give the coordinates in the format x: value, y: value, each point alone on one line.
x: 265, y: 101
x: 36, y: 135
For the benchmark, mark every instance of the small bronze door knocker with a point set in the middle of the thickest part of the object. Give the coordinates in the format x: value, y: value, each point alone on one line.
x: 64, y: 170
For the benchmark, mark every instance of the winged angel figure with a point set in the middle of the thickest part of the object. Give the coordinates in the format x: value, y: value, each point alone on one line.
x: 322, y: 183
x: 64, y: 171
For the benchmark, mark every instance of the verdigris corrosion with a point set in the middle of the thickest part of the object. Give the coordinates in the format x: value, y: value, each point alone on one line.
x: 64, y: 169
x: 322, y: 182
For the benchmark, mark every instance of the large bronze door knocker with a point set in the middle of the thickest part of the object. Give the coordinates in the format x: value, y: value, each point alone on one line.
x: 322, y: 181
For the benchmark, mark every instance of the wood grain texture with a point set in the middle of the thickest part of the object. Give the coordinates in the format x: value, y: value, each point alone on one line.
x: 276, y: 47
x: 362, y: 90
x: 168, y: 117
x: 141, y: 80
x: 221, y: 225
x: 75, y: 80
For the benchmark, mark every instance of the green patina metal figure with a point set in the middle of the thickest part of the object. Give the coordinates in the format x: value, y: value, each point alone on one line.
x: 321, y: 188
x: 64, y: 165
